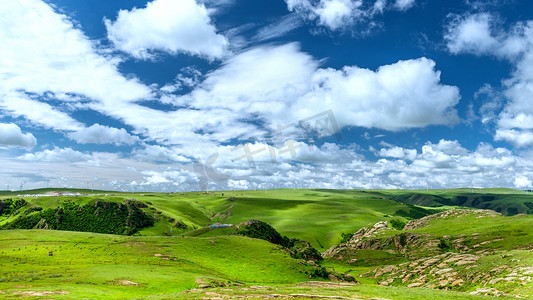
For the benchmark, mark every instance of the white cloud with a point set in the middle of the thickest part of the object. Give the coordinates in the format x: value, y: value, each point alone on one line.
x: 11, y: 135
x: 520, y: 138
x: 18, y: 104
x: 344, y: 14
x: 404, y: 4
x: 280, y: 28
x: 399, y: 152
x: 447, y: 163
x: 98, y: 134
x: 471, y: 34
x: 171, y: 26
x: 176, y: 177
x: 155, y: 153
x: 522, y: 182
x: 335, y: 13
x: 406, y: 94
x: 44, y: 54
x: 291, y: 87
x: 492, y: 100
x: 57, y: 155
x: 479, y: 34
x: 238, y: 184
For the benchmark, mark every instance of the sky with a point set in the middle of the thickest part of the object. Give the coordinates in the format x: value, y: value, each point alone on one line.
x: 182, y: 95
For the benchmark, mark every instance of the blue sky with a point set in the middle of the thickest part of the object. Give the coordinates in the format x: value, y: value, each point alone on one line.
x: 177, y: 95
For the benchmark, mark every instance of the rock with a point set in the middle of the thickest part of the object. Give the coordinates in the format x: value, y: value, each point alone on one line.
x: 430, y: 262
x: 487, y: 292
x: 444, y: 271
x: 386, y: 269
x: 458, y: 282
x: 415, y: 284
x: 369, y: 231
x: 332, y: 277
x: 386, y: 282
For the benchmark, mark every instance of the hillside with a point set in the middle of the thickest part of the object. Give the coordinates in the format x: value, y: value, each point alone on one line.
x: 475, y: 251
x: 292, y: 213
x: 506, y: 201
x: 258, y: 244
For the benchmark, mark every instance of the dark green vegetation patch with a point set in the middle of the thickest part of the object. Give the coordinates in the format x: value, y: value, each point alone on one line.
x: 297, y: 248
x: 9, y: 206
x: 99, y: 217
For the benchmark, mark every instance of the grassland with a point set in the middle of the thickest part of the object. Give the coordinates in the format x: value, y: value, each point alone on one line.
x: 171, y: 261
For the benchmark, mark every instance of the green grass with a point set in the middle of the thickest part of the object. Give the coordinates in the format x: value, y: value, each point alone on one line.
x: 317, y: 216
x: 88, y: 265
x: 363, y: 291
x: 85, y: 263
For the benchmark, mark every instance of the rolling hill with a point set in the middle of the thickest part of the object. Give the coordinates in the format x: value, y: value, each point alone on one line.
x: 165, y: 244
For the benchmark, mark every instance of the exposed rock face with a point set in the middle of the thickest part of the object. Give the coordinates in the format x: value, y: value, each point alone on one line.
x: 423, y: 222
x: 368, y: 238
x: 369, y: 231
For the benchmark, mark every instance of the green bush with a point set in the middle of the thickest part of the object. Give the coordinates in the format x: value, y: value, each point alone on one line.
x: 99, y: 217
x: 9, y: 206
x: 297, y: 248
x: 445, y: 245
x: 397, y: 224
x: 346, y: 237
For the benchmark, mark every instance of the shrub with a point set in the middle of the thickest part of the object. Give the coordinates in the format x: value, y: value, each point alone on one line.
x: 9, y: 206
x: 99, y: 217
x: 346, y: 237
x: 397, y: 224
x: 444, y: 245
x: 297, y: 248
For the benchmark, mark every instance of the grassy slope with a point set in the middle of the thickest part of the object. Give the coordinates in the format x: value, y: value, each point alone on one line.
x: 87, y: 264
x: 318, y: 216
x: 501, y: 242
x: 315, y: 216
x: 91, y: 265
x: 503, y: 198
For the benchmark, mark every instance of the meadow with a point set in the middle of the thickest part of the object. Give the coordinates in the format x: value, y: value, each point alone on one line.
x: 182, y: 257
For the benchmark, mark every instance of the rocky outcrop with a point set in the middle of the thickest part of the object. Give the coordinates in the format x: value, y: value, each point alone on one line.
x: 370, y: 238
x: 423, y: 222
x: 447, y: 271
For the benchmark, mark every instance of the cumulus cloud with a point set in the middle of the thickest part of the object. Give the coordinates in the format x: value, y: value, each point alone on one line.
x: 398, y: 152
x: 171, y: 26
x: 343, y: 14
x: 447, y: 163
x: 44, y: 54
x: 335, y: 13
x: 288, y: 87
x: 406, y: 94
x: 11, y: 135
x: 57, y: 155
x: 291, y: 87
x: 479, y: 34
x: 98, y: 134
x: 522, y: 182
x: 471, y: 34
x: 520, y: 138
